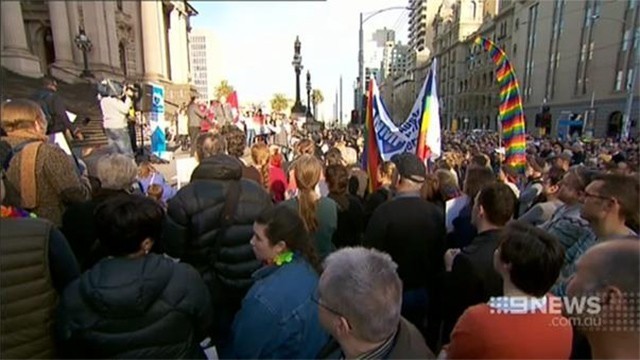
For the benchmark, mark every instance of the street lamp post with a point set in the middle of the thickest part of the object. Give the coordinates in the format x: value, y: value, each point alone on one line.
x: 309, y: 113
x: 297, y: 67
x: 361, y: 80
x: 84, y: 44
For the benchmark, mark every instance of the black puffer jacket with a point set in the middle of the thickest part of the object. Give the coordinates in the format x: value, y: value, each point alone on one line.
x: 193, y: 224
x: 149, y: 307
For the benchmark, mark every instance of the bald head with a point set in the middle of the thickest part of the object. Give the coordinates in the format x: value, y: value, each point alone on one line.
x: 617, y: 263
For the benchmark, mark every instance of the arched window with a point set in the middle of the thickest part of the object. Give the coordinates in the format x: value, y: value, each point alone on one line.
x: 122, y: 52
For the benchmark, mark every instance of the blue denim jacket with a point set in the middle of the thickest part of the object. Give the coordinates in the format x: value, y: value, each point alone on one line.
x: 278, y: 318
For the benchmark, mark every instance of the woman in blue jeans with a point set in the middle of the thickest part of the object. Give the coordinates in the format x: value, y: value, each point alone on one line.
x: 278, y: 318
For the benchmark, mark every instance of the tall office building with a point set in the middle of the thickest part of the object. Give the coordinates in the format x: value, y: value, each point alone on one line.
x: 206, y: 62
x: 421, y: 33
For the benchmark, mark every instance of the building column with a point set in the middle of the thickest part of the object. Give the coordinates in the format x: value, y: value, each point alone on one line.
x: 74, y: 29
x: 152, y: 28
x: 112, y: 34
x: 61, y: 34
x: 178, y: 46
x: 96, y: 29
x: 15, y: 52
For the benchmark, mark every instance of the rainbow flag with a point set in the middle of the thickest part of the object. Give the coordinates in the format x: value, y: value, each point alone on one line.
x: 429, y: 137
x: 371, y: 158
x: 510, y: 110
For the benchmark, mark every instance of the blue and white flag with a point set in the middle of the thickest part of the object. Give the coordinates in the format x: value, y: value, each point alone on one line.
x: 391, y: 139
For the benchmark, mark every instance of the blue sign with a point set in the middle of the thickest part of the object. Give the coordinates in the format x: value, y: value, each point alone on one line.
x: 156, y: 121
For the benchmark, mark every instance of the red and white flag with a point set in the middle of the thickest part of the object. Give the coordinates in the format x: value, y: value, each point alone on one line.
x: 233, y: 103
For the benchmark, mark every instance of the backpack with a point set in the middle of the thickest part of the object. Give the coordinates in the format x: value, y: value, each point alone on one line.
x: 43, y: 98
x: 27, y: 197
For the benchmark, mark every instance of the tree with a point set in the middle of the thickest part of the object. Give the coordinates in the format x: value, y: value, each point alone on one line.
x: 279, y: 103
x: 316, y: 99
x: 224, y: 89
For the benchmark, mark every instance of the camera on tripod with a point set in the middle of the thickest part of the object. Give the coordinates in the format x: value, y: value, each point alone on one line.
x: 141, y: 94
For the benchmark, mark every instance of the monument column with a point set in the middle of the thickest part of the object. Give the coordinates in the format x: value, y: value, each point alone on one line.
x: 152, y: 26
x: 15, y: 53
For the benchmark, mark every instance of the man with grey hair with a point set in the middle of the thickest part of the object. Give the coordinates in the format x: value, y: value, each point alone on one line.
x: 412, y: 231
x: 359, y: 299
x: 116, y: 172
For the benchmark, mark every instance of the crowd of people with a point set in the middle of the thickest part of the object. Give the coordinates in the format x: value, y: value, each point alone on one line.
x: 287, y: 253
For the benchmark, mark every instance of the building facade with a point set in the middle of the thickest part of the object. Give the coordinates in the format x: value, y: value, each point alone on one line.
x: 133, y: 40
x: 206, y: 63
x: 577, y: 57
x: 574, y: 57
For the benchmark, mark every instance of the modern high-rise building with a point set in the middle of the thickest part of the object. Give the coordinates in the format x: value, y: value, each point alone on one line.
x: 421, y: 34
x: 400, y: 59
x: 374, y: 50
x: 206, y: 63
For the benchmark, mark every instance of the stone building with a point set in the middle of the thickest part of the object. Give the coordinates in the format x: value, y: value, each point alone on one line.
x: 142, y: 41
x: 576, y: 57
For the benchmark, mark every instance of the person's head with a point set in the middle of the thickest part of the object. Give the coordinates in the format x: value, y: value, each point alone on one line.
x: 337, y: 177
x: 145, y: 169
x: 236, y: 141
x: 529, y: 258
x: 333, y: 157
x: 480, y: 160
x: 155, y: 192
x: 494, y: 206
x: 23, y: 115
x: 475, y: 179
x: 431, y: 188
x: 307, y: 170
x: 562, y: 160
x: 551, y: 181
x: 558, y: 148
x: 116, y: 172
x: 609, y: 272
x: 387, y: 173
x: 304, y: 147
x: 50, y: 83
x: 573, y: 184
x: 535, y: 166
x: 208, y: 145
x: 128, y: 225
x: 278, y: 230
x: 447, y: 184
x: 611, y: 200
x: 260, y: 155
x: 411, y: 172
x: 192, y: 99
x: 359, y: 296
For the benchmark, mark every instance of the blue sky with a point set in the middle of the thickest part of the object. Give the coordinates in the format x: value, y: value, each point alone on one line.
x: 256, y: 43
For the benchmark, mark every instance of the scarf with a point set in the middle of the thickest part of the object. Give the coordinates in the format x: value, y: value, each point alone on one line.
x: 14, y: 212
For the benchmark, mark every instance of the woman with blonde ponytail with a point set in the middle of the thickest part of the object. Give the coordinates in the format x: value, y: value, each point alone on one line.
x: 273, y: 177
x: 320, y: 214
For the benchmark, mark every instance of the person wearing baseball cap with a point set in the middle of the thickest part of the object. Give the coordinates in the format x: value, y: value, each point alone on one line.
x: 412, y: 231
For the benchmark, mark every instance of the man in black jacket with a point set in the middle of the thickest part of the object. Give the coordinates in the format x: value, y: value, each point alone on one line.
x: 55, y: 110
x: 412, y: 231
x: 470, y: 277
x: 200, y: 233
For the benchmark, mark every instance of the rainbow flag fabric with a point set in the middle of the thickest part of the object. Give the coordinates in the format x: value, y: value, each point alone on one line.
x: 371, y: 154
x: 510, y: 110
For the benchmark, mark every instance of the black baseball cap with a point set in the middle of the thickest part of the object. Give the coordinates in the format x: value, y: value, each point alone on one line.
x: 410, y: 167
